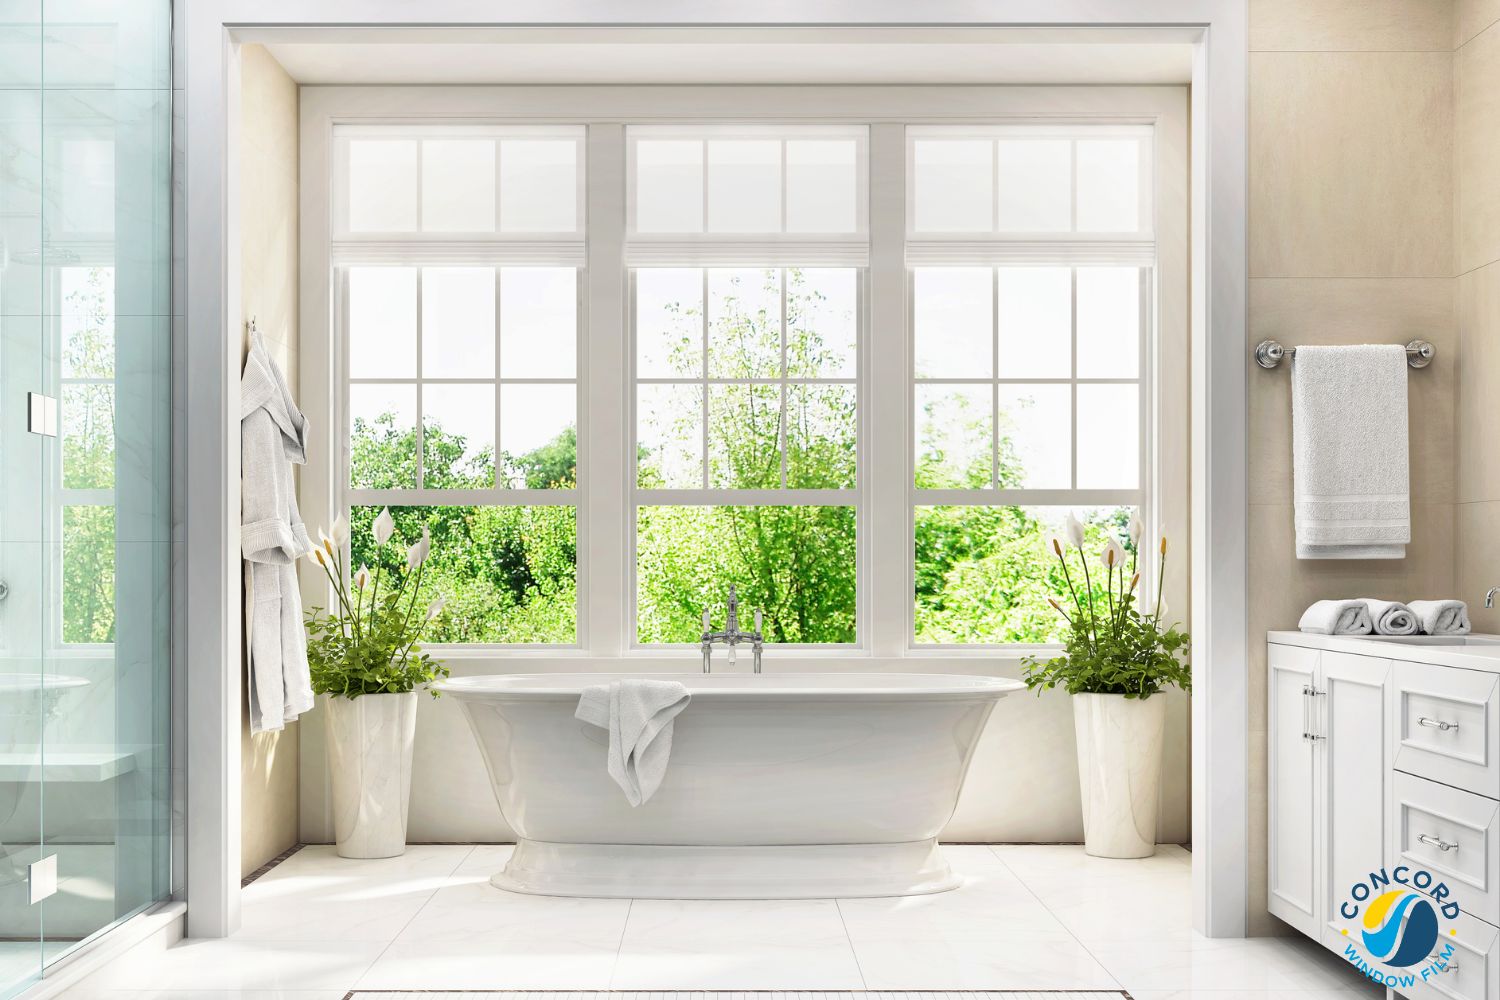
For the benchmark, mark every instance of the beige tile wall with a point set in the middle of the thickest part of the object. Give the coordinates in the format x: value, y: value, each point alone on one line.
x: 1476, y: 78
x: 1352, y: 178
x: 268, y: 275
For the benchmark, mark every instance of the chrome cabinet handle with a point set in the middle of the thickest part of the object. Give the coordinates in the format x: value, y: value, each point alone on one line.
x: 1436, y: 723
x: 1437, y: 842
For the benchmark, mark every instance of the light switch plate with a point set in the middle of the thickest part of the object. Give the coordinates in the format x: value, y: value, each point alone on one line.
x: 43, y: 879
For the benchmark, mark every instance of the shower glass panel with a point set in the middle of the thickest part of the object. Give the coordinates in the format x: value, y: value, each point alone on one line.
x: 85, y: 471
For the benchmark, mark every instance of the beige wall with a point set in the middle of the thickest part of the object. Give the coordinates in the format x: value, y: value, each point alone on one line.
x: 1476, y: 84
x: 268, y: 276
x: 1351, y: 241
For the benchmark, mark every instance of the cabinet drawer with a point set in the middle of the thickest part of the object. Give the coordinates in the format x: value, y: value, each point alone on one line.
x: 1445, y: 723
x: 1472, y: 972
x: 1453, y: 834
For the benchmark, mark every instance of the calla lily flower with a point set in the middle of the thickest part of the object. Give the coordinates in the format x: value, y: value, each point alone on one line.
x: 1113, y: 555
x: 434, y: 608
x: 417, y: 554
x: 384, y: 527
x: 1073, y: 530
x: 362, y: 578
x: 1136, y: 529
x: 340, y: 531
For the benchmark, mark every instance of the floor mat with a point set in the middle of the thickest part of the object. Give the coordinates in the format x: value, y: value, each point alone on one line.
x: 737, y: 995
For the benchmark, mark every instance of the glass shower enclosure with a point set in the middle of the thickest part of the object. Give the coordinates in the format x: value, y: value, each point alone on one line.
x: 85, y: 472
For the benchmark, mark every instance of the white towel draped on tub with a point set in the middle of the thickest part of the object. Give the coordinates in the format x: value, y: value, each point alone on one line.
x: 1391, y: 617
x: 1349, y: 452
x: 1336, y: 618
x: 638, y: 715
x: 1442, y: 617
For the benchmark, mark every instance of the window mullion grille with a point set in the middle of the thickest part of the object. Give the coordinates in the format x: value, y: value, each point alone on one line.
x: 994, y: 378
x: 1073, y: 389
x: 421, y: 412
x: 781, y: 429
x: 703, y: 323
x: 498, y: 360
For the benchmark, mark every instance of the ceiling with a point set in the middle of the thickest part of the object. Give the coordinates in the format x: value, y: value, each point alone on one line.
x: 731, y: 55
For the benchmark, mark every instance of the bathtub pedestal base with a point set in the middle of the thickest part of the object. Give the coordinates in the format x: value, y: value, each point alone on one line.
x: 691, y: 872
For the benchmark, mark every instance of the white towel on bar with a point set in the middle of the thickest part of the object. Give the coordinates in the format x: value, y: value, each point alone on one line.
x: 1337, y: 618
x: 1349, y: 452
x: 1391, y: 617
x: 1442, y: 617
x: 638, y: 714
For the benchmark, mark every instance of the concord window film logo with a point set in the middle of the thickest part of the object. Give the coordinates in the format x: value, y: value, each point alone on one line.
x: 1401, y: 917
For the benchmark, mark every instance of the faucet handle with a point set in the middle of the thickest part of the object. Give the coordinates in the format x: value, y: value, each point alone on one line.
x: 757, y: 621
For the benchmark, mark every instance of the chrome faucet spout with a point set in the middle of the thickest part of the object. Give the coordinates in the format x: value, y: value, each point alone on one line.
x: 731, y: 635
x: 1489, y: 596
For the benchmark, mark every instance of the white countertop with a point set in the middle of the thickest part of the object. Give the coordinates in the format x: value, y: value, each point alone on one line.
x: 1471, y: 652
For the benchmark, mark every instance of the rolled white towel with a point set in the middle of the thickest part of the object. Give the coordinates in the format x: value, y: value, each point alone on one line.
x: 1442, y: 617
x: 1391, y: 617
x: 1336, y: 618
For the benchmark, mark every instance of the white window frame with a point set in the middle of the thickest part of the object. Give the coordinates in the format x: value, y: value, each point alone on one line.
x: 886, y: 612
x: 418, y: 250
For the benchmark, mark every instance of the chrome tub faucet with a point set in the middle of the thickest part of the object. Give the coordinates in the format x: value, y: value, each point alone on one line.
x: 731, y: 635
x: 1489, y: 596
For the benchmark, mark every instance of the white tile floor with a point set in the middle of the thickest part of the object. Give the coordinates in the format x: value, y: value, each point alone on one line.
x: 1027, y: 917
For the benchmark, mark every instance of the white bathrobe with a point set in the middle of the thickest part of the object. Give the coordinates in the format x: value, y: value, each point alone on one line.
x: 273, y: 435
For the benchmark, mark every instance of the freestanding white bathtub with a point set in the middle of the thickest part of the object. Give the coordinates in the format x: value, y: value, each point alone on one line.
x: 780, y: 785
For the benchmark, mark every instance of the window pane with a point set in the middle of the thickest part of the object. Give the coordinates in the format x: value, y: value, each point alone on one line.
x: 1109, y: 186
x: 88, y: 436
x: 538, y: 186
x: 1109, y: 322
x: 954, y: 321
x: 1036, y: 447
x: 669, y: 186
x: 382, y: 436
x: 538, y: 322
x: 88, y: 321
x: 800, y: 572
x: 458, y: 185
x: 744, y: 186
x: 669, y: 435
x: 820, y: 434
x: 382, y: 322
x: 954, y: 440
x: 539, y: 436
x: 1035, y: 177
x: 458, y: 437
x: 821, y: 186
x: 1036, y: 322
x: 744, y: 323
x: 984, y: 574
x: 954, y: 185
x: 382, y: 185
x: 88, y: 569
x: 821, y: 319
x: 1109, y: 437
x: 506, y: 574
x: 669, y: 322
x: 744, y: 436
x: 458, y: 322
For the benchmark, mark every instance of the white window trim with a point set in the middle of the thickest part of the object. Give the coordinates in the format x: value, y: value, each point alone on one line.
x: 886, y: 610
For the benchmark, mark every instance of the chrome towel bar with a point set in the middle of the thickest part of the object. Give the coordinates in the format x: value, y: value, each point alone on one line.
x: 1268, y: 353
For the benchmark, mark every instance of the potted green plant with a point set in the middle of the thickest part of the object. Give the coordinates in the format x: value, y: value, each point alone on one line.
x: 364, y: 656
x: 1117, y: 659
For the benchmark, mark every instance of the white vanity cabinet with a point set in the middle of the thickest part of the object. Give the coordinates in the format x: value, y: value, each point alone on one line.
x: 1328, y: 782
x: 1380, y: 754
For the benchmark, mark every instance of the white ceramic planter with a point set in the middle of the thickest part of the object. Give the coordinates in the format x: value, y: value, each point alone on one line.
x: 369, y: 741
x: 1119, y: 772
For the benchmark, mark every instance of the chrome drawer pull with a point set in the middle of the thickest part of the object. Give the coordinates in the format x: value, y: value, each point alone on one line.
x: 1437, y: 842
x: 1436, y: 724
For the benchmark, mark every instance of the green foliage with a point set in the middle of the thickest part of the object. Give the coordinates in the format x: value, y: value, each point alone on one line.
x: 1112, y: 648
x: 369, y: 644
